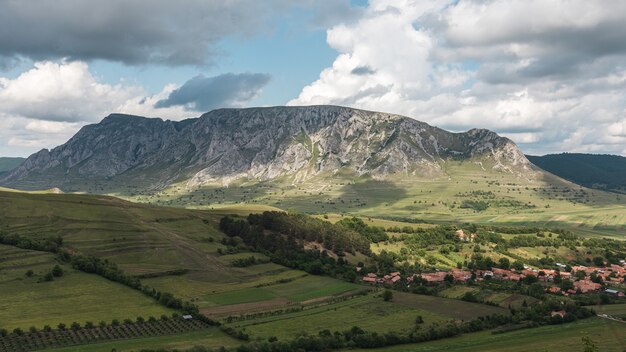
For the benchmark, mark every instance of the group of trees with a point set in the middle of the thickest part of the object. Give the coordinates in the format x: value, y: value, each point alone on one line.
x: 275, y: 230
x: 46, y: 244
x: 356, y: 337
x: 282, y: 237
x: 373, y: 233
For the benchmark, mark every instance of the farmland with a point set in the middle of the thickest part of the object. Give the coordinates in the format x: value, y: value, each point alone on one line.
x: 74, y: 297
x: 607, y: 336
x: 184, y: 253
x: 368, y: 312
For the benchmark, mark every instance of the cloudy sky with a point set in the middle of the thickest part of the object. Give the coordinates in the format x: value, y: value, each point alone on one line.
x: 549, y: 74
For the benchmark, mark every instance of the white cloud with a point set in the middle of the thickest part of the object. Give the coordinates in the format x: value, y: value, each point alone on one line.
x: 550, y: 75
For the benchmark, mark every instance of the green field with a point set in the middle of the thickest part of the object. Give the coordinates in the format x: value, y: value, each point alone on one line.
x: 368, y: 312
x: 149, y: 240
x: 213, y: 338
x: 608, y: 336
x: 538, y: 199
x: 74, y: 297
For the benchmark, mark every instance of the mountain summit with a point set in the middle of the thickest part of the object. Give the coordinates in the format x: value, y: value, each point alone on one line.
x: 260, y: 144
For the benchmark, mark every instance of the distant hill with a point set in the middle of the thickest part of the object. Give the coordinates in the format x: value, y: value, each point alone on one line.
x: 7, y: 164
x: 600, y: 171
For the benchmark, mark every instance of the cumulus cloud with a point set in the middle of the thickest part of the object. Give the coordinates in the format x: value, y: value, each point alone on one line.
x: 206, y: 93
x: 64, y: 91
x: 141, y: 31
x: 45, y: 105
x: 550, y: 75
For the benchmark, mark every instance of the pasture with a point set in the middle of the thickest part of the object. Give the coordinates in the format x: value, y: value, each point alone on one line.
x: 608, y: 336
x: 73, y: 297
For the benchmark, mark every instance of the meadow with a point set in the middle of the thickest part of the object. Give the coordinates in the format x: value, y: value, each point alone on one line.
x: 606, y: 335
x: 73, y: 297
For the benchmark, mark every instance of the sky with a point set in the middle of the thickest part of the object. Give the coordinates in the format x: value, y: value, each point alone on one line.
x: 549, y: 74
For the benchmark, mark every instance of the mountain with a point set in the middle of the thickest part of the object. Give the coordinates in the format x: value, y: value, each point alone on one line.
x: 600, y: 171
x: 225, y: 145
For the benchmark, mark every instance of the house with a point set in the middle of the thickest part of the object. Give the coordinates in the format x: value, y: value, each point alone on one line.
x: 612, y: 292
x: 553, y: 290
x: 434, y: 277
x: 586, y: 286
x: 369, y: 280
x: 560, y: 313
x: 187, y: 317
x: 461, y: 235
x: 461, y: 275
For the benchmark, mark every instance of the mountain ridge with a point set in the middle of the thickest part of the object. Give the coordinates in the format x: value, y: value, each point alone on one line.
x: 259, y: 143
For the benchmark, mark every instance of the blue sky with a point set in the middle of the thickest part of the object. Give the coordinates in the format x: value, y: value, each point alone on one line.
x: 518, y: 67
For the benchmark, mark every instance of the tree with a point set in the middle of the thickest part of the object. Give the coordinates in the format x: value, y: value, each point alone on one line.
x: 504, y: 263
x: 48, y: 277
x: 589, y: 345
x: 47, y: 328
x: 61, y: 326
x: 598, y: 261
x: 566, y: 285
x: 419, y: 320
x: 387, y: 295
x: 89, y: 325
x: 33, y: 329
x: 57, y: 271
x: 75, y: 326
x: 30, y: 273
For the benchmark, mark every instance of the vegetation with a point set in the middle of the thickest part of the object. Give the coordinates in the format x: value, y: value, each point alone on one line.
x: 590, y: 170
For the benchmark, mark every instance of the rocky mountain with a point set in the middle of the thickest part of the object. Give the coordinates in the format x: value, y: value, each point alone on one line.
x: 260, y: 144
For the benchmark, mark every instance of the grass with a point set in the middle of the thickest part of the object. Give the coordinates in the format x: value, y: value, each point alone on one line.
x: 609, y: 336
x: 241, y: 296
x: 537, y: 199
x: 368, y: 312
x: 74, y: 297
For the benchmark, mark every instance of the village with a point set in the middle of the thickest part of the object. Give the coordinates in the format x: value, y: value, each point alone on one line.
x: 582, y: 279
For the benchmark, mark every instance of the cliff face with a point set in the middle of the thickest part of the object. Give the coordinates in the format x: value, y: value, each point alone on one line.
x: 259, y: 143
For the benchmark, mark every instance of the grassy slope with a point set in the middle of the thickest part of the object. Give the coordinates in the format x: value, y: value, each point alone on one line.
x: 75, y: 296
x: 543, y: 200
x: 608, y: 335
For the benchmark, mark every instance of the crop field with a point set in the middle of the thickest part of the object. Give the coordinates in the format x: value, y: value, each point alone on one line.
x: 30, y: 341
x: 608, y: 336
x: 368, y: 312
x: 73, y: 297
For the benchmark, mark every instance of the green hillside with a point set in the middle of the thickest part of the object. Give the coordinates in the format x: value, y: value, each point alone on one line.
x: 606, y: 172
x: 467, y: 193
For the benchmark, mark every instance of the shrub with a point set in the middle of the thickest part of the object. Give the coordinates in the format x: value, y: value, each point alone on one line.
x: 387, y: 295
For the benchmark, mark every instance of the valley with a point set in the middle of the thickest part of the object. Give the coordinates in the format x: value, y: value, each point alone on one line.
x: 302, y: 228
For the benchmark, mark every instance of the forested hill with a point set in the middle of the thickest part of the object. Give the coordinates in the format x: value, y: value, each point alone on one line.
x: 7, y: 164
x: 591, y: 170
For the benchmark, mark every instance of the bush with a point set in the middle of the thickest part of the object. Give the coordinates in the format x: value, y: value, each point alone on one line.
x: 387, y: 295
x: 57, y: 271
